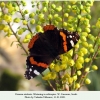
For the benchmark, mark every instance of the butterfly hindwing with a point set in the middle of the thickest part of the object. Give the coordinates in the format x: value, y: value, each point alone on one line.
x: 34, y: 68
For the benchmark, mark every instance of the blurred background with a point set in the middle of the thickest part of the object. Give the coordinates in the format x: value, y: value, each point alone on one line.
x: 12, y: 64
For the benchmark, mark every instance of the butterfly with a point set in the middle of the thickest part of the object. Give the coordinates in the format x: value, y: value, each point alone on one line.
x: 45, y: 47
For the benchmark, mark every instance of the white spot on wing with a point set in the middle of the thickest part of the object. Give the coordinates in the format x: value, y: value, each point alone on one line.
x: 76, y: 40
x: 72, y: 43
x: 31, y: 77
x: 70, y: 36
x: 36, y: 72
x: 30, y: 69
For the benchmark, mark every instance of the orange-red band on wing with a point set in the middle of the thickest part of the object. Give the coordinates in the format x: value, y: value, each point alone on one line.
x: 31, y: 43
x: 64, y: 41
x: 48, y: 27
x: 40, y: 64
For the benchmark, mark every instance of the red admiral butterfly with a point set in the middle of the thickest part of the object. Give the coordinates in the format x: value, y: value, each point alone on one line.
x: 45, y: 47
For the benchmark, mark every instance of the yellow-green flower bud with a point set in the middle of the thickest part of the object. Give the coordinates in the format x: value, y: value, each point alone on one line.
x: 87, y: 30
x: 28, y: 36
x: 79, y: 16
x: 32, y: 21
x: 80, y: 53
x: 9, y: 34
x: 2, y: 4
x: 81, y: 7
x: 77, y: 85
x: 41, y: 16
x: 45, y: 9
x: 98, y: 41
x: 78, y: 65
x: 90, y: 45
x: 52, y: 66
x: 83, y: 38
x: 6, y: 28
x: 50, y: 16
x: 79, y: 73
x: 67, y: 75
x: 71, y: 29
x: 47, y: 77
x: 70, y: 52
x: 45, y: 4
x: 59, y: 19
x: 53, y: 6
x: 7, y: 18
x: 53, y: 75
x: 94, y: 67
x: 98, y: 24
x: 38, y: 28
x: 2, y: 26
x: 23, y: 3
x: 26, y: 12
x: 26, y: 41
x: 80, y: 59
x: 59, y: 8
x: 24, y: 22
x: 31, y: 15
x: 88, y: 16
x: 87, y: 81
x: 75, y: 77
x: 64, y: 59
x: 64, y: 24
x: 71, y: 62
x: 66, y: 14
x: 91, y: 50
x: 79, y: 29
x: 84, y: 34
x: 77, y: 45
x: 17, y: 20
x: 56, y: 23
x: 20, y: 31
x: 56, y: 15
x: 69, y: 6
x: 87, y: 69
x: 88, y: 9
x: 87, y: 60
x: 70, y: 80
x: 85, y: 44
x: 84, y: 50
x: 57, y: 68
x: 63, y: 66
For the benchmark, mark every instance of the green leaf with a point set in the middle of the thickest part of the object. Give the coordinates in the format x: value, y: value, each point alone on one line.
x: 24, y: 54
x: 38, y: 84
x: 18, y: 45
x: 12, y: 43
